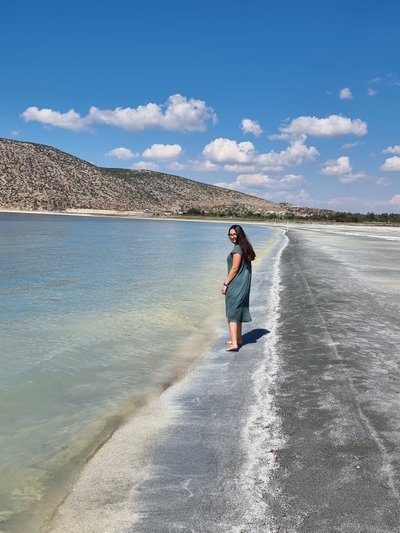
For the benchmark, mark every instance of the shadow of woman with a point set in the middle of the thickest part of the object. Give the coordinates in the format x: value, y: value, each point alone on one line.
x: 254, y: 335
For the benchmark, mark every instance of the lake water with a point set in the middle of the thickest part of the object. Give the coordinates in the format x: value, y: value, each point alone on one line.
x: 97, y: 315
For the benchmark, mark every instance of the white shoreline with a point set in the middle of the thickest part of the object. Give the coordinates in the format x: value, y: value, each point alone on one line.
x: 262, y: 434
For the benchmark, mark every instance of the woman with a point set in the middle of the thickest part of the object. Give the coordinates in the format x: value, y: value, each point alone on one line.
x: 236, y: 286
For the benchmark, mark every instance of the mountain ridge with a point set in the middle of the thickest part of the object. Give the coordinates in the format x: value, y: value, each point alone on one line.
x: 36, y: 177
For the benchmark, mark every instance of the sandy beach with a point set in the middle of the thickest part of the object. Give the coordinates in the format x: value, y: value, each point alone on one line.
x: 297, y: 432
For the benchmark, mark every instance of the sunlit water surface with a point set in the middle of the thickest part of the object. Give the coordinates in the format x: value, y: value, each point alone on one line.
x: 97, y: 314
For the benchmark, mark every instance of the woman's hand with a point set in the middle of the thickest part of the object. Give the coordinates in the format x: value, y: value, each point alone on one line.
x: 223, y: 289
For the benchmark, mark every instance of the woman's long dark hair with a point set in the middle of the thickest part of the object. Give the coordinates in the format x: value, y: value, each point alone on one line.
x: 244, y: 243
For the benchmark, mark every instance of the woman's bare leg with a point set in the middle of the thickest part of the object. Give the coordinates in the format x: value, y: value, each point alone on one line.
x: 233, y: 329
x: 239, y: 333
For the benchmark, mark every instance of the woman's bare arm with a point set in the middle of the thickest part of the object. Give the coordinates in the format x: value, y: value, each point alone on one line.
x: 236, y: 258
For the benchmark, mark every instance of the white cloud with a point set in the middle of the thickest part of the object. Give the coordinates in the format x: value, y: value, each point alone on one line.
x: 242, y: 157
x: 395, y: 200
x: 295, y: 154
x: 255, y: 180
x: 392, y: 149
x: 345, y: 94
x: 279, y: 137
x: 14, y: 133
x: 227, y: 151
x: 341, y: 167
x: 176, y: 166
x: 392, y: 164
x: 371, y: 92
x: 71, y: 120
x: 248, y: 183
x: 337, y: 168
x: 351, y: 178
x: 300, y: 198
x: 251, y: 126
x: 162, y: 152
x: 121, y: 153
x: 177, y: 114
x: 256, y: 183
x: 331, y: 126
x: 205, y: 166
x: 383, y: 182
x: 240, y: 168
x: 145, y: 165
x: 350, y: 146
x: 343, y: 203
x: 292, y: 180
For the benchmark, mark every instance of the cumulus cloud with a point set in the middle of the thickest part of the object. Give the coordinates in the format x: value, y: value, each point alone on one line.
x: 177, y: 114
x: 395, y: 200
x: 292, y: 179
x: 234, y: 155
x: 162, y: 152
x: 392, y: 164
x: 341, y: 167
x: 255, y: 180
x: 251, y: 126
x: 300, y: 198
x: 145, y: 165
x: 345, y: 94
x: 71, y: 120
x: 242, y: 157
x: 257, y: 183
x: 249, y: 183
x: 14, y: 133
x: 279, y: 137
x: 205, y: 166
x: 383, y: 182
x: 121, y: 153
x: 227, y: 151
x: 392, y: 149
x: 345, y: 202
x: 176, y: 166
x: 371, y: 92
x: 295, y: 154
x: 351, y: 178
x: 337, y: 167
x: 350, y: 146
x: 332, y: 126
x: 240, y: 168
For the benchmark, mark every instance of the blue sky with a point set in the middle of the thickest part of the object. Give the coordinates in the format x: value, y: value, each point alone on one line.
x: 292, y: 101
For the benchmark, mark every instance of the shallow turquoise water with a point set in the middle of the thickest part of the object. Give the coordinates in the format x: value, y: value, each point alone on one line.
x: 96, y: 314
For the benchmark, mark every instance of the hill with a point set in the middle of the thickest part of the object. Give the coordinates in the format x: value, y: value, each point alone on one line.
x: 39, y: 177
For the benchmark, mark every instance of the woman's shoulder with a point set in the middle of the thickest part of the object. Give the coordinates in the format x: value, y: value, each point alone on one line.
x: 237, y: 250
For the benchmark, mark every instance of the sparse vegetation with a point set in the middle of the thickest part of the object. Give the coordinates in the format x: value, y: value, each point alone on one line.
x: 37, y: 177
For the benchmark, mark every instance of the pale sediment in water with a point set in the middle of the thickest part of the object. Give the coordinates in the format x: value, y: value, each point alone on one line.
x: 182, y: 442
x: 84, y: 382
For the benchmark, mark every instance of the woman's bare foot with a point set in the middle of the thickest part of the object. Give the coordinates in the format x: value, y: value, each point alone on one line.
x: 233, y: 349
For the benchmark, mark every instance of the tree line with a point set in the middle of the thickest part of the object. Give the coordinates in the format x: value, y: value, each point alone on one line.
x: 334, y: 216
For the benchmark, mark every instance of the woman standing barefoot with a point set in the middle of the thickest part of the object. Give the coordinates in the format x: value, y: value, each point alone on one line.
x: 236, y: 287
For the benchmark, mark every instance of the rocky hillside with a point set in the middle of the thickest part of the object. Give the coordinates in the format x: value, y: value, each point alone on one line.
x: 39, y: 177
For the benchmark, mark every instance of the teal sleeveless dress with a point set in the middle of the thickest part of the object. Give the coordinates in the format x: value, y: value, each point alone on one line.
x: 238, y: 292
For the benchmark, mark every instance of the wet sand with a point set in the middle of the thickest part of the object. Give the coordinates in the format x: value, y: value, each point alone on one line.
x: 338, y: 389
x: 297, y: 432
